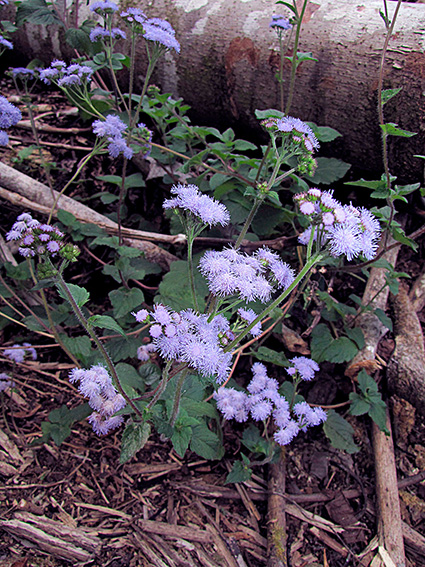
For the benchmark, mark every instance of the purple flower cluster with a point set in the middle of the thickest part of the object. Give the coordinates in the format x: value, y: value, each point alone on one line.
x: 22, y: 73
x: 66, y: 76
x: 9, y: 116
x: 98, y: 33
x: 104, y: 7
x: 348, y: 231
x: 145, y: 137
x: 161, y: 32
x: 5, y: 382
x: 134, y: 16
x: 144, y: 352
x: 112, y: 128
x: 17, y: 353
x: 5, y: 42
x: 96, y: 385
x: 36, y: 238
x: 262, y: 401
x: 191, y: 338
x: 280, y: 23
x: 303, y: 367
x: 230, y: 272
x: 248, y: 316
x: 188, y: 198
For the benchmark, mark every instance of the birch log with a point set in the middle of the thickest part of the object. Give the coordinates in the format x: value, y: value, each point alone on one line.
x: 229, y: 58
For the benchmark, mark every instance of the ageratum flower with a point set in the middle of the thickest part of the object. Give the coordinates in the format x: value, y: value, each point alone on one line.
x: 96, y: 385
x: 98, y: 33
x: 5, y: 382
x: 104, y: 6
x: 189, y: 199
x: 17, y: 352
x: 346, y: 230
x: 112, y: 129
x: 248, y: 315
x: 280, y: 23
x: 160, y: 32
x: 263, y: 401
x: 134, y: 16
x: 6, y: 43
x: 9, y: 114
x: 66, y: 76
x: 305, y: 367
x: 188, y: 337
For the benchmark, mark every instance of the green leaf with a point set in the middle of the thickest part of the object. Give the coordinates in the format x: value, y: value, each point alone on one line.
x: 385, y: 320
x: 130, y: 379
x: 174, y: 290
x: 378, y: 412
x: 325, y: 347
x: 268, y: 355
x: 356, y: 335
x: 68, y: 219
x: 36, y: 12
x: 324, y: 133
x: 388, y: 94
x: 181, y: 439
x: 80, y: 294
x: 329, y: 170
x: 269, y: 113
x: 206, y: 443
x: 105, y: 322
x: 124, y: 300
x: 79, y: 39
x: 392, y: 129
x: 359, y: 405
x: 340, y: 433
x: 134, y: 438
x: 253, y: 440
x: 240, y: 472
x: 377, y: 184
x: 78, y: 346
x: 366, y: 383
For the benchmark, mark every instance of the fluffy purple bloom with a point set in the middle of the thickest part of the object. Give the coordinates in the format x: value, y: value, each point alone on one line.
x: 66, y: 76
x: 5, y: 382
x: 263, y: 400
x: 9, y: 114
x: 161, y: 32
x: 141, y: 315
x: 306, y: 367
x: 249, y: 315
x: 98, y: 33
x: 134, y: 16
x: 112, y: 128
x: 232, y: 403
x: 104, y: 6
x: 289, y: 124
x: 35, y: 238
x: 17, y: 353
x: 189, y: 337
x: 96, y: 385
x: 190, y: 199
x: 4, y: 138
x: 144, y: 351
x: 280, y: 22
x: 6, y: 43
x: 22, y: 72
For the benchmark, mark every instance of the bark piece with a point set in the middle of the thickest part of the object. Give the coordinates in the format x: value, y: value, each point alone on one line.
x: 406, y: 369
x: 26, y: 192
x: 389, y: 520
x: 276, y: 520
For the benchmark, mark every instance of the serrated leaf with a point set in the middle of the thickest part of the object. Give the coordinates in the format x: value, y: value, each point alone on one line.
x: 268, y: 355
x: 124, y: 300
x: 66, y: 218
x: 181, y: 439
x: 340, y: 433
x: 392, y: 129
x: 78, y: 346
x: 325, y: 347
x: 378, y: 412
x: 388, y: 94
x: 359, y: 405
x: 174, y: 290
x: 130, y: 379
x: 134, y: 438
x: 356, y: 335
x: 329, y: 170
x: 366, y: 383
x: 80, y: 294
x: 206, y: 443
x: 324, y: 133
x: 105, y: 322
x: 253, y: 441
x: 240, y: 473
x: 385, y: 320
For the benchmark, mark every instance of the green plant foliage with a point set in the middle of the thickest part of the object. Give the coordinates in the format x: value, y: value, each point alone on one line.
x: 325, y: 347
x: 174, y: 290
x: 241, y: 471
x: 60, y: 421
x: 36, y: 12
x: 369, y: 401
x: 329, y: 170
x: 105, y: 322
x: 125, y: 300
x: 134, y: 438
x: 266, y: 354
x: 80, y: 294
x: 340, y: 433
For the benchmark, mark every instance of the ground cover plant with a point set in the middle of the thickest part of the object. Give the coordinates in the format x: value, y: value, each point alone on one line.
x: 185, y: 358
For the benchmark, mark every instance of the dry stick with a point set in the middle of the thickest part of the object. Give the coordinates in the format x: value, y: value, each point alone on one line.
x: 276, y: 521
x: 22, y: 190
x: 388, y: 506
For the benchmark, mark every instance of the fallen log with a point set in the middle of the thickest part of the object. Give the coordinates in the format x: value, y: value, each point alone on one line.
x: 228, y: 61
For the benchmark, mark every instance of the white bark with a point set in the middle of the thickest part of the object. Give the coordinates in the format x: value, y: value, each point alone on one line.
x: 227, y: 64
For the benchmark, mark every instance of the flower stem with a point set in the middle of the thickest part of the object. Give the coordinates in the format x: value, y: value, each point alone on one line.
x: 63, y: 286
x: 177, y: 396
x: 294, y: 56
x: 162, y: 385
